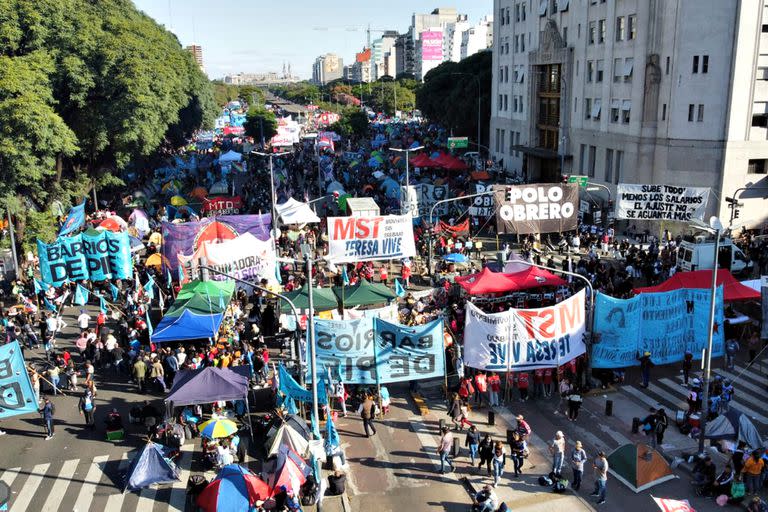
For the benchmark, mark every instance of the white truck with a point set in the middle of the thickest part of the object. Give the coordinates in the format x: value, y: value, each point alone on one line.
x: 699, y: 254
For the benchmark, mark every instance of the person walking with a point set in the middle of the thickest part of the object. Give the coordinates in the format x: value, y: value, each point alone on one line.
x: 367, y: 412
x: 486, y: 453
x: 578, y: 458
x: 444, y: 449
x: 731, y: 349
x: 600, y: 465
x: 87, y: 408
x: 157, y: 374
x: 472, y: 441
x: 662, y: 422
x: 574, y: 404
x: 557, y: 449
x: 454, y: 411
x: 499, y: 461
x: 517, y: 452
x: 48, y: 412
x: 140, y: 374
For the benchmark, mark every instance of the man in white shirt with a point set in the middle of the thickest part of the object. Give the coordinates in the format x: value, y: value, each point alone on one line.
x: 83, y: 320
x: 181, y: 356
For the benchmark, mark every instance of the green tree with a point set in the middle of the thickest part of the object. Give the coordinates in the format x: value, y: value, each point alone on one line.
x: 260, y: 124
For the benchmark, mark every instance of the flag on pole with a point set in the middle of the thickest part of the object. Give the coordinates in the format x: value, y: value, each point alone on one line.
x: 115, y: 291
x: 399, y: 290
x: 149, y: 322
x: 48, y: 305
x: 668, y: 505
x: 168, y: 277
x: 81, y: 295
x: 102, y: 305
x: 74, y: 220
x: 315, y: 427
x: 332, y: 440
x: 40, y: 286
x: 149, y: 288
x: 344, y: 276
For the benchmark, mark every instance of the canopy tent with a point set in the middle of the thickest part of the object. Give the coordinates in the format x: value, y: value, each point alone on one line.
x: 230, y: 156
x: 534, y: 277
x: 323, y: 299
x: 732, y: 289
x: 213, y: 288
x: 286, y: 435
x: 148, y: 467
x: 235, y: 489
x: 197, y: 303
x: 291, y: 471
x: 295, y: 212
x: 451, y: 163
x: 207, y: 385
x: 422, y: 160
x: 639, y: 466
x: 734, y: 426
x: 187, y: 326
x: 487, y: 281
x: 364, y: 294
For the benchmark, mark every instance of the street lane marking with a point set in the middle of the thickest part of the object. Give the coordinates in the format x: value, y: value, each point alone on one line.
x: 24, y: 498
x: 179, y: 490
x: 9, y: 476
x: 146, y: 500
x: 56, y: 495
x: 115, y: 501
x: 90, y: 482
x: 743, y: 408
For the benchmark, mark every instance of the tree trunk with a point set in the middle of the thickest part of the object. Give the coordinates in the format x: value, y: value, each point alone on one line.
x: 21, y: 226
x: 59, y: 168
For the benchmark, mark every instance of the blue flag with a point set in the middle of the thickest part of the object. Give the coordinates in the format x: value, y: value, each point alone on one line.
x: 399, y: 290
x: 344, y: 276
x: 315, y: 427
x: 81, y: 295
x: 278, y: 277
x: 181, y: 274
x: 48, y: 305
x: 149, y: 288
x: 102, y: 305
x: 40, y: 286
x: 168, y: 277
x: 115, y: 291
x: 74, y: 220
x: 332, y: 440
x: 18, y: 395
x: 149, y: 323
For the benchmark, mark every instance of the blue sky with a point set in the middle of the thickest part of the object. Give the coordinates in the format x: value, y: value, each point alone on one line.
x: 257, y: 36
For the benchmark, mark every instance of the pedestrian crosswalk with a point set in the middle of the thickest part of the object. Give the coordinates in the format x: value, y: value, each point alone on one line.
x: 92, y: 484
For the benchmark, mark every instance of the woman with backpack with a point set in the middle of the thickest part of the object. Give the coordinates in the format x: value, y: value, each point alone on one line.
x: 87, y: 408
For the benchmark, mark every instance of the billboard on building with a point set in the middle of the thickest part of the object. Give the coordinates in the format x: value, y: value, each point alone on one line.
x: 432, y: 45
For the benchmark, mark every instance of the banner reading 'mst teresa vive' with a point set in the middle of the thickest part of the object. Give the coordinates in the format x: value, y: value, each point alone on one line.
x: 660, y: 202
x: 382, y: 237
x: 86, y: 256
x: 525, y: 339
x: 16, y: 393
x: 394, y: 353
x: 666, y: 324
x: 526, y: 209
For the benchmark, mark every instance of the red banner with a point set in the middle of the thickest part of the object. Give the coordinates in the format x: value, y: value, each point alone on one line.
x: 461, y: 229
x: 223, y: 205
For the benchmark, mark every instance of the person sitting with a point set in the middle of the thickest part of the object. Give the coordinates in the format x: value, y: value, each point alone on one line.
x: 724, y: 481
x: 757, y: 505
x: 114, y: 421
x: 704, y: 476
x: 485, y: 500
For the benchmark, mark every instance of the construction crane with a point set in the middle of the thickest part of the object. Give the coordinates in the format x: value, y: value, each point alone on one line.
x: 367, y: 30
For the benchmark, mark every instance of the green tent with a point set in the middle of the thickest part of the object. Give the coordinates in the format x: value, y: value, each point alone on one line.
x: 323, y: 299
x: 639, y: 467
x: 212, y: 288
x: 199, y: 304
x: 364, y: 294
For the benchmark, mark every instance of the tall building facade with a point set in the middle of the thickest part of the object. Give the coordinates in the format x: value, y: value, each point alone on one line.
x: 197, y: 53
x: 363, y: 67
x: 327, y: 68
x: 380, y: 49
x: 636, y: 91
x: 476, y: 38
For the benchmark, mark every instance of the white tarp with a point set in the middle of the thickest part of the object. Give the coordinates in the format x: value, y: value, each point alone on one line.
x: 661, y: 202
x: 296, y: 212
x: 245, y: 257
x: 230, y: 156
x: 525, y: 339
x: 369, y: 238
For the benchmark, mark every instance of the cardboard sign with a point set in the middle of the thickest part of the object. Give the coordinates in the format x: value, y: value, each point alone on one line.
x: 661, y: 202
x: 368, y: 238
x: 536, y: 208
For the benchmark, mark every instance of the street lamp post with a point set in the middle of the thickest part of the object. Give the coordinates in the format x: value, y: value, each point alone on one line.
x: 407, y: 175
x: 478, y: 99
x: 272, y: 187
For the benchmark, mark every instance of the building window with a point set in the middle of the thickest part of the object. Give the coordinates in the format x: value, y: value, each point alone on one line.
x: 592, y: 32
x: 506, y: 73
x: 503, y: 136
x: 522, y: 11
x: 578, y: 31
x: 514, y: 103
x: 498, y: 136
x: 626, y: 107
x: 628, y: 65
x: 700, y: 114
x: 705, y: 63
x: 577, y: 68
x: 695, y: 64
x: 691, y: 109
x: 587, y: 108
x: 664, y: 112
x: 592, y: 156
x: 666, y: 72
x: 590, y: 70
x: 501, y: 74
x: 517, y: 44
x: 512, y: 143
x: 500, y: 103
x: 582, y: 156
x: 501, y: 12
x: 631, y: 27
x: 760, y: 121
x: 618, y: 70
x: 596, y: 107
x: 565, y: 35
x: 517, y: 13
x: 756, y: 167
x: 543, y: 7
x: 764, y: 29
x: 617, y: 170
x: 608, y: 165
x: 601, y: 31
x: 522, y: 42
x: 599, y: 68
x: 575, y: 104
x: 620, y: 28
x: 507, y: 15
x: 762, y: 74
x: 615, y: 111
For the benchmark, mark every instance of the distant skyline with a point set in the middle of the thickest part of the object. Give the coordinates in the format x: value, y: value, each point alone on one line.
x: 245, y: 37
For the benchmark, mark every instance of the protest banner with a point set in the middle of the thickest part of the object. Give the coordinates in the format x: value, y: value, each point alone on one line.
x: 460, y: 229
x: 188, y: 237
x: 660, y: 202
x: 666, y: 324
x: 16, y: 393
x: 373, y: 351
x: 424, y: 196
x: 93, y: 255
x: 482, y: 206
x: 222, y: 205
x: 536, y: 208
x: 525, y: 339
x: 368, y: 238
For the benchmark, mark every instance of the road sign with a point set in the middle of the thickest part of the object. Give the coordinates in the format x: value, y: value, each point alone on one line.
x: 458, y: 142
x: 581, y: 180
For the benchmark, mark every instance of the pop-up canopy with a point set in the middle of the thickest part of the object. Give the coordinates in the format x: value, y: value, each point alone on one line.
x: 295, y: 212
x: 732, y: 289
x: 487, y: 281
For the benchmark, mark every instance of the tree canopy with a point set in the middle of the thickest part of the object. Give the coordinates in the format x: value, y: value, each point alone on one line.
x: 260, y: 123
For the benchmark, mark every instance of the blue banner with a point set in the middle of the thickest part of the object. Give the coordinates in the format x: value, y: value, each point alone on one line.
x: 372, y: 351
x: 666, y: 324
x: 75, y: 219
x: 293, y: 389
x: 86, y: 256
x: 16, y: 393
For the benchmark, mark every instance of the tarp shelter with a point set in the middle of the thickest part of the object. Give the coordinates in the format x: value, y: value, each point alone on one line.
x: 199, y: 304
x: 149, y: 467
x: 639, y: 467
x: 187, y: 326
x: 451, y: 163
x: 323, y: 299
x: 295, y: 212
x: 156, y: 260
x: 286, y: 435
x: 486, y: 281
x: 734, y: 426
x: 291, y: 471
x: 732, y: 289
x: 364, y: 294
x: 230, y: 156
x: 202, y: 318
x: 362, y: 207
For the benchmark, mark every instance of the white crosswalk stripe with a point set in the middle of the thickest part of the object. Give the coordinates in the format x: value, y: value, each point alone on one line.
x: 24, y: 498
x: 9, y: 476
x: 115, y: 501
x: 739, y: 404
x: 60, y: 485
x: 179, y: 489
x: 91, y: 481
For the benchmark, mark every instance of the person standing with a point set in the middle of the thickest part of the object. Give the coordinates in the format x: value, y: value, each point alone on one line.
x: 752, y: 471
x: 472, y: 441
x: 48, y: 412
x: 494, y: 388
x: 444, y: 449
x: 687, y: 365
x: 522, y: 385
x: 481, y: 387
x: 518, y: 452
x: 499, y: 461
x: 87, y: 408
x: 578, y: 458
x: 662, y: 422
x: 367, y: 412
x: 600, y: 465
x: 140, y: 374
x: 83, y: 320
x: 645, y: 367
x: 157, y: 374
x: 574, y: 404
x: 557, y: 449
x: 731, y: 349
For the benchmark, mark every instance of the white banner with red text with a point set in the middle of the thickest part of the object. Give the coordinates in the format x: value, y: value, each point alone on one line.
x: 369, y: 238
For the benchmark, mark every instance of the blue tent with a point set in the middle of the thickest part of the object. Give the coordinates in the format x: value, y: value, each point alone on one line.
x: 187, y: 326
x: 455, y: 257
x: 150, y: 467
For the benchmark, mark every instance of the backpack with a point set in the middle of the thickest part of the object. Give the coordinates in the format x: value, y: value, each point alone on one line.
x: 560, y: 486
x: 545, y: 481
x: 737, y: 490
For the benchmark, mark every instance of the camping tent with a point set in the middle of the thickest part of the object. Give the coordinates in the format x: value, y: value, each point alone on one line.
x: 230, y: 156
x: 235, y: 489
x: 734, y: 425
x: 295, y: 212
x: 292, y: 420
x: 149, y: 467
x: 639, y: 466
x: 323, y: 299
x: 199, y: 304
x: 732, y: 289
x: 364, y: 294
x: 291, y: 470
x: 286, y: 435
x: 207, y: 385
x: 187, y: 326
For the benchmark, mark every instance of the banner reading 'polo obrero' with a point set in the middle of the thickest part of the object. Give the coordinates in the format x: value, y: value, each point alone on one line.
x: 536, y: 208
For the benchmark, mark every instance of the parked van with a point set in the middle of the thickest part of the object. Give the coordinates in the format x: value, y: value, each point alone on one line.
x: 698, y: 253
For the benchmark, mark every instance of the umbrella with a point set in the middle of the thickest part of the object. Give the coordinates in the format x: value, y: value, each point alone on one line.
x: 217, y: 428
x: 234, y: 489
x: 455, y: 257
x: 157, y: 260
x: 198, y: 193
x: 110, y: 224
x: 178, y: 201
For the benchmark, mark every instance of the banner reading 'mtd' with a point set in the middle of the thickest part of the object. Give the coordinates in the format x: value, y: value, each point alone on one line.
x: 382, y: 237
x: 93, y: 256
